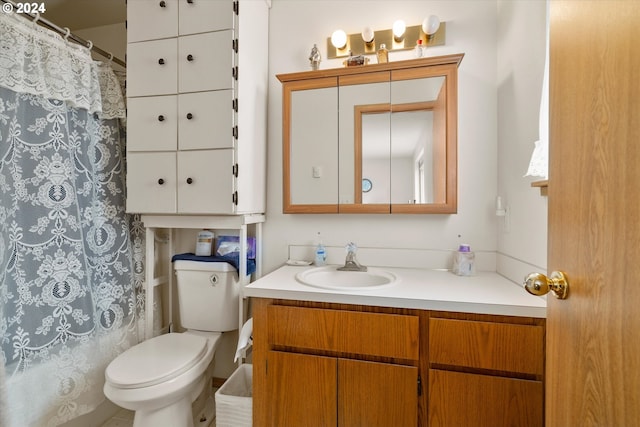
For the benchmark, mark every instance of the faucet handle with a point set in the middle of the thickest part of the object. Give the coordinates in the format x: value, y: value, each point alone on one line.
x: 351, y: 247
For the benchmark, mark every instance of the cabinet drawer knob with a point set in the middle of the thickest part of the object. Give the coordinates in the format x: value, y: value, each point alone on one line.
x: 161, y: 61
x: 189, y: 116
x: 161, y: 118
x: 190, y: 1
x: 190, y: 58
x: 189, y: 181
x: 161, y: 181
x: 163, y: 3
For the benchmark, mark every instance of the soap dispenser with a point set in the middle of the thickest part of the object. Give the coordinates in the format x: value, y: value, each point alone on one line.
x: 321, y: 253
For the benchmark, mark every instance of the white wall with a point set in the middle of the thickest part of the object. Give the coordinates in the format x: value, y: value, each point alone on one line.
x: 295, y: 25
x: 522, y: 239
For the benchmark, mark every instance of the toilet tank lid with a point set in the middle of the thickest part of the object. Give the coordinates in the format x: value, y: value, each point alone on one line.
x: 217, y: 266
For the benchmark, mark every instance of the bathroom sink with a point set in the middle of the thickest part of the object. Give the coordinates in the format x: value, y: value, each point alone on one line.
x: 328, y: 277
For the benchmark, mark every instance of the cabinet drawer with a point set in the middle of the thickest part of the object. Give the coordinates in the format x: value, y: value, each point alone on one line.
x: 459, y: 399
x: 205, y: 62
x: 211, y: 187
x: 150, y: 20
x: 204, y: 16
x: 145, y: 192
x: 487, y: 345
x: 374, y: 334
x: 152, y: 123
x: 152, y: 68
x: 205, y: 120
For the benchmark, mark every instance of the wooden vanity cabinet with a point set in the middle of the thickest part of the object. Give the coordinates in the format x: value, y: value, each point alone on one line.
x: 321, y: 364
x: 334, y: 367
x: 485, y: 371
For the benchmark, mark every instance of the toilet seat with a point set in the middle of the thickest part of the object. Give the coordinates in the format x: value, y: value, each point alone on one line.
x: 156, y: 360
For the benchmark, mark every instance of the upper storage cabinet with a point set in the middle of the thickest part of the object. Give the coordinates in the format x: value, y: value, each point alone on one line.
x: 374, y: 139
x: 196, y: 129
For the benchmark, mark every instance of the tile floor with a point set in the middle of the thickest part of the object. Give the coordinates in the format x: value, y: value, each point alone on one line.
x: 124, y: 418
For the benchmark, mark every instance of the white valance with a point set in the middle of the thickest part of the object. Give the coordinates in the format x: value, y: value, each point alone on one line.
x: 38, y: 61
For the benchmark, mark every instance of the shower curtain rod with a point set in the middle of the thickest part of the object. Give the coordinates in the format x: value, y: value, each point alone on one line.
x: 67, y: 34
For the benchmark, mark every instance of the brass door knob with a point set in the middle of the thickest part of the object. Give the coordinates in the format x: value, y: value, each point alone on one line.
x: 539, y: 284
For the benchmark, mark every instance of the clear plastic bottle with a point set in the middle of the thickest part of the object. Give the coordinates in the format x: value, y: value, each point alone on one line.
x: 464, y: 261
x: 321, y: 253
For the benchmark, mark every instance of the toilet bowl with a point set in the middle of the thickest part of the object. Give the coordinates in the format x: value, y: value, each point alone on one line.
x: 160, y: 378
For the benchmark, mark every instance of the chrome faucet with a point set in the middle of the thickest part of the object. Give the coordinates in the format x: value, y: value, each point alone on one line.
x: 351, y: 263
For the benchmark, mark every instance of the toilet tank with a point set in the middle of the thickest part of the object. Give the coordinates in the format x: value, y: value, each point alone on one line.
x: 208, y: 295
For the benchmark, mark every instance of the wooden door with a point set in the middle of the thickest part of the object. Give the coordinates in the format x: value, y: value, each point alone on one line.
x: 302, y: 390
x: 593, y: 337
x: 377, y: 394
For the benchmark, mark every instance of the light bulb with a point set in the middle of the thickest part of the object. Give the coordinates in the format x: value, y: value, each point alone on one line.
x: 430, y: 25
x: 367, y: 35
x: 398, y: 29
x: 339, y: 39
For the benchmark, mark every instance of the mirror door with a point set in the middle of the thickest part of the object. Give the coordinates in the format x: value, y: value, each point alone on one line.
x: 363, y: 115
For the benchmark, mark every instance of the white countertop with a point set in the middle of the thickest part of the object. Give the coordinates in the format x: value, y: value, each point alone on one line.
x: 484, y: 293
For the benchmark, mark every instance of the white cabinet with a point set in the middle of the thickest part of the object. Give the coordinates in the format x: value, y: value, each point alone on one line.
x: 196, y: 130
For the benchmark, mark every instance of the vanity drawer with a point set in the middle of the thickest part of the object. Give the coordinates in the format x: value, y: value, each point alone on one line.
x: 342, y: 331
x: 487, y: 345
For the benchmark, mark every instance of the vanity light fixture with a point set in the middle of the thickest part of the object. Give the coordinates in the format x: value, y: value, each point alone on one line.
x: 430, y: 26
x: 339, y: 39
x: 431, y: 31
x: 399, y: 27
x: 368, y: 35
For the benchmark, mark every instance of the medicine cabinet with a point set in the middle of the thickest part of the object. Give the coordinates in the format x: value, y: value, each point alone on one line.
x: 372, y: 139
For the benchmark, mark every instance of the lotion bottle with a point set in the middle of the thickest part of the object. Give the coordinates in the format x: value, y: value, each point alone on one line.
x: 321, y: 253
x: 464, y: 261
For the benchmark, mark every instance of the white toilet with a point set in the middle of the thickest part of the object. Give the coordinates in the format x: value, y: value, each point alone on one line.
x: 161, y: 377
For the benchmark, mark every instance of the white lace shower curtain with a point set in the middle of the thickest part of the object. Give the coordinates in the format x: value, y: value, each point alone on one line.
x: 71, y: 260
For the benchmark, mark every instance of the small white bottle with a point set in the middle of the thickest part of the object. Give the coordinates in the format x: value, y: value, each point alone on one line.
x: 321, y: 253
x: 464, y: 261
x: 418, y: 51
x: 204, y: 243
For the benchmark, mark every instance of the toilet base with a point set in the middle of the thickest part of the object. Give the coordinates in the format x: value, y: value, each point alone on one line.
x: 176, y: 414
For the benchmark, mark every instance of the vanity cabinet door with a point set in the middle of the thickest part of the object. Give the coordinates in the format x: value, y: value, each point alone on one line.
x: 302, y: 390
x: 316, y: 391
x: 372, y: 394
x: 461, y: 399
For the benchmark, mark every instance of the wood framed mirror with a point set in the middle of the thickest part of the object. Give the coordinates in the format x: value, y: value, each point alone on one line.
x: 392, y: 124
